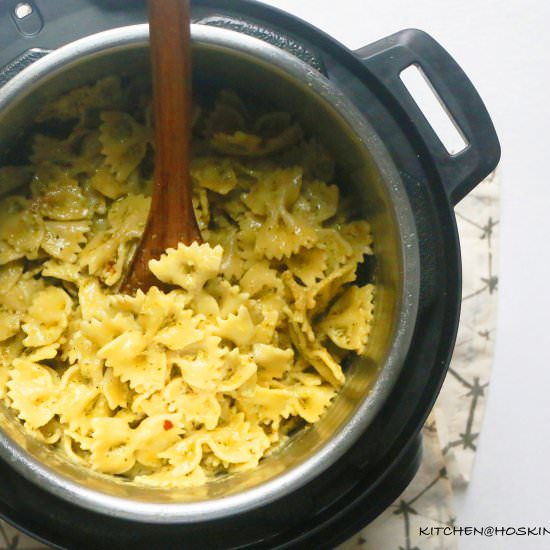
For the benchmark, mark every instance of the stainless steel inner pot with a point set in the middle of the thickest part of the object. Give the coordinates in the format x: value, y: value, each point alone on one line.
x: 228, y: 59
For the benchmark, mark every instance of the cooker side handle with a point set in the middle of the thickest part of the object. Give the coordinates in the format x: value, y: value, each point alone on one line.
x: 387, y: 58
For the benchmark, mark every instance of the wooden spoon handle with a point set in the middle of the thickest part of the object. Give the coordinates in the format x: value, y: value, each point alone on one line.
x: 171, y: 218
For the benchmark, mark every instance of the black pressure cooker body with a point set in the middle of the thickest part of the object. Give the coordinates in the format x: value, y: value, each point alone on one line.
x: 378, y: 467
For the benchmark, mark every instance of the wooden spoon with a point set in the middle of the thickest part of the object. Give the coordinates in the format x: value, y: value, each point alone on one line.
x: 171, y: 218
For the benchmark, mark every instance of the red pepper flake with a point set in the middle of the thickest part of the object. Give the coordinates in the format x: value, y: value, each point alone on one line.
x: 167, y: 425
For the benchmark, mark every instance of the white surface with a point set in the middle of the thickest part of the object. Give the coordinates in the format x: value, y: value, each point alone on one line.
x: 504, y: 46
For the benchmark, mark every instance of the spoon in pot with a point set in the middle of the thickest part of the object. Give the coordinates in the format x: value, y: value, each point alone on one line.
x: 171, y: 217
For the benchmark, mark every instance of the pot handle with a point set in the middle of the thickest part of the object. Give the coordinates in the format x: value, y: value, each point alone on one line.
x: 387, y: 58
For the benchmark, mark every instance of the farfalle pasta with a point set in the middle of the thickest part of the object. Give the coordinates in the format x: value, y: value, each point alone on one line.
x: 247, y: 339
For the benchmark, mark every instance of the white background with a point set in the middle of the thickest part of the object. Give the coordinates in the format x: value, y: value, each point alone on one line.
x: 504, y: 46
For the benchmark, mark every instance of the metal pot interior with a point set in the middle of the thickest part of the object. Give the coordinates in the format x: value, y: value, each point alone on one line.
x: 225, y: 59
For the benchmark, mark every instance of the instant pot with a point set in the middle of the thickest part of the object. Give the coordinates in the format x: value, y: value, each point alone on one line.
x: 356, y: 472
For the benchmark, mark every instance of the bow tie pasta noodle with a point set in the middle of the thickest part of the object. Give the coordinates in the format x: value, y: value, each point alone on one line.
x: 174, y: 387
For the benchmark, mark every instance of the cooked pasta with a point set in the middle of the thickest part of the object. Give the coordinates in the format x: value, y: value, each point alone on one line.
x: 246, y: 342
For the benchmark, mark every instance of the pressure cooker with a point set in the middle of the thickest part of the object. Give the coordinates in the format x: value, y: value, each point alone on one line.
x: 337, y: 477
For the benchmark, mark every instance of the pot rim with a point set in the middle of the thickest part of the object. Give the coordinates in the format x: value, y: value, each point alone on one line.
x: 44, y: 476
